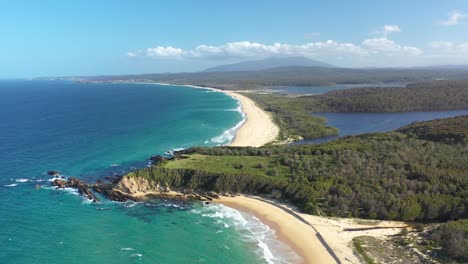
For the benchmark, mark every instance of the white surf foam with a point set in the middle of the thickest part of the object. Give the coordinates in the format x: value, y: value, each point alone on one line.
x: 127, y: 249
x: 22, y: 180
x: 253, y: 231
x: 58, y: 178
x: 228, y: 136
x: 171, y: 152
x: 67, y: 189
x: 11, y: 185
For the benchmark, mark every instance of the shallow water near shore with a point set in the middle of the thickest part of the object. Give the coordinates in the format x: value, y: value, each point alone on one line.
x: 92, y: 130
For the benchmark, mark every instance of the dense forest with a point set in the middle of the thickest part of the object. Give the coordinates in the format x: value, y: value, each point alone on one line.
x: 436, y: 95
x: 293, y: 114
x: 447, y: 130
x: 292, y: 76
x: 392, y: 175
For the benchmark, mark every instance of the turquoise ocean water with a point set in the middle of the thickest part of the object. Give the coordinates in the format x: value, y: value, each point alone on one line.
x: 93, y: 130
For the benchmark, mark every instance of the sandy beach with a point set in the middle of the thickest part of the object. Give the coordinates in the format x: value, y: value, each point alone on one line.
x: 316, y: 239
x: 258, y: 128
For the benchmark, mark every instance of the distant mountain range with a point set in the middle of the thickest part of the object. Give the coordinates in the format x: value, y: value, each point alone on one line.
x: 273, y: 62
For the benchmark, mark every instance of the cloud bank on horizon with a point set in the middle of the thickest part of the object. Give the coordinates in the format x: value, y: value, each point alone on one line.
x: 380, y: 50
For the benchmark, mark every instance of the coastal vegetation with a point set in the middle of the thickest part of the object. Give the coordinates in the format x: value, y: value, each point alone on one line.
x: 416, y: 174
x: 292, y: 76
x: 453, y: 238
x: 436, y: 95
x: 392, y: 175
x: 444, y: 242
x: 293, y: 114
x: 447, y: 130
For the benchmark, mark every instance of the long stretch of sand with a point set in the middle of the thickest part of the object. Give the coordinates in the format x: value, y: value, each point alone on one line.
x: 258, y: 128
x: 316, y: 239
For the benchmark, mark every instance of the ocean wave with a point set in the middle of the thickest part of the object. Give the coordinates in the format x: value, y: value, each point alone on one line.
x: 253, y: 231
x: 11, y: 185
x: 67, y: 189
x: 61, y: 177
x: 21, y: 180
x: 227, y: 136
x: 131, y: 204
x: 127, y: 249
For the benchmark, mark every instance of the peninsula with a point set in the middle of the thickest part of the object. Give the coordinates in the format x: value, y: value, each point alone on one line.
x: 371, y: 176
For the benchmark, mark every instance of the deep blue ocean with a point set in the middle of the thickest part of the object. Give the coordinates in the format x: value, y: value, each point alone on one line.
x: 92, y: 130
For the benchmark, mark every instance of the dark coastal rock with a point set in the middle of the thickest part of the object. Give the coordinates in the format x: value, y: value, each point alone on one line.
x: 107, y: 190
x: 53, y: 173
x: 78, y: 184
x: 59, y: 184
x: 213, y: 195
x: 113, y: 178
x: 158, y: 159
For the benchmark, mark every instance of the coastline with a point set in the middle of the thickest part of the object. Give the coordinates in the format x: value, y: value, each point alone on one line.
x: 300, y: 237
x: 257, y: 128
x: 315, y: 239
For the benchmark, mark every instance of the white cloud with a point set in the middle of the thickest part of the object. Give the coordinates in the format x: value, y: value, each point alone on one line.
x: 372, y: 52
x: 389, y: 47
x: 445, y: 52
x: 463, y: 48
x: 246, y: 49
x: 387, y: 29
x: 453, y: 19
x: 160, y: 51
x: 440, y: 44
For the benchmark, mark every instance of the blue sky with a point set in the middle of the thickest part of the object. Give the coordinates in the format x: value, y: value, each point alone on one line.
x: 59, y: 38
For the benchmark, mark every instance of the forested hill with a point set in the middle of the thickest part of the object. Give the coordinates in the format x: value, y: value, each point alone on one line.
x: 293, y: 114
x: 390, y: 175
x: 436, y: 95
x: 448, y: 130
x: 292, y: 76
